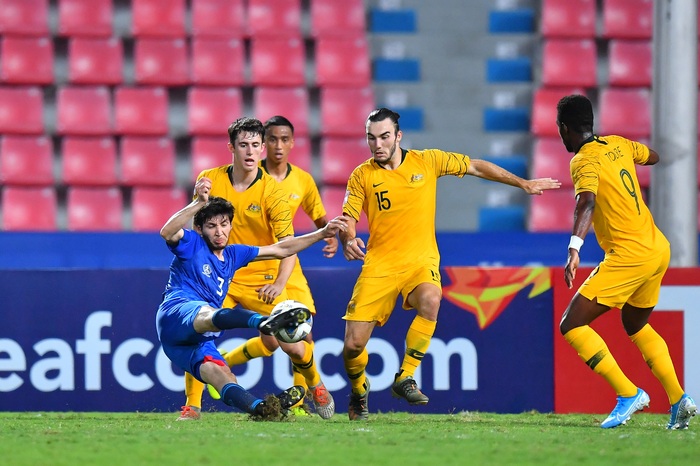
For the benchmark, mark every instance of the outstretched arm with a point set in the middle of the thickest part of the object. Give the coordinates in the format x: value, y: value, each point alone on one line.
x: 491, y: 171
x: 291, y: 246
x: 583, y: 219
x: 172, y: 231
x: 331, y: 246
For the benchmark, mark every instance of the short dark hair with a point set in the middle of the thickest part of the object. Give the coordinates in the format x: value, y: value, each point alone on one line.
x: 245, y: 125
x: 279, y: 120
x: 214, y: 207
x: 576, y: 112
x: 382, y: 114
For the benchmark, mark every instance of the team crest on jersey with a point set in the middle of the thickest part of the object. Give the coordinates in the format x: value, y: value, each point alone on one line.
x: 416, y: 177
x: 254, y: 208
x: 293, y: 196
x: 206, y: 270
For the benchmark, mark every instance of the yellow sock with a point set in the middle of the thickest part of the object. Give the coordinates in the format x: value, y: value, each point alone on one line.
x: 355, y: 368
x: 193, y: 391
x: 297, y: 376
x: 655, y: 352
x: 417, y: 342
x: 594, y: 352
x: 253, y: 348
x: 307, y: 366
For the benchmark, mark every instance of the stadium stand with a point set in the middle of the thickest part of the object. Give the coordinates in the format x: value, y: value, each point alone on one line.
x: 147, y: 161
x: 218, y: 61
x: 21, y: 110
x: 544, y: 109
x: 210, y: 110
x: 27, y: 60
x: 274, y: 18
x: 628, y: 19
x: 29, y: 209
x: 94, y: 209
x: 332, y: 197
x: 292, y: 102
x: 568, y: 18
x: 84, y: 110
x: 218, y: 18
x: 567, y: 62
x: 333, y: 18
x: 156, y: 18
x: 26, y: 160
x: 152, y: 207
x: 89, y: 161
x: 25, y: 17
x: 90, y: 18
x: 552, y: 213
x: 141, y: 110
x: 550, y: 159
x: 208, y: 152
x: 344, y: 110
x: 277, y: 61
x: 342, y: 61
x: 625, y: 112
x: 161, y: 62
x: 95, y: 60
x: 339, y: 157
x: 629, y: 63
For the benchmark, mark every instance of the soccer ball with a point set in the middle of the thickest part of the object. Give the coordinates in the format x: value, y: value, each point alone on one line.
x: 293, y: 333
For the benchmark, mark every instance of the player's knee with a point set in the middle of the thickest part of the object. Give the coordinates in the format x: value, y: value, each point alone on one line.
x: 352, y: 349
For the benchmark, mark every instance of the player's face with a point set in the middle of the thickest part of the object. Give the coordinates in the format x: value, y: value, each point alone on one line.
x: 247, y: 151
x: 564, y: 135
x: 215, y: 232
x: 279, y: 141
x: 382, y: 140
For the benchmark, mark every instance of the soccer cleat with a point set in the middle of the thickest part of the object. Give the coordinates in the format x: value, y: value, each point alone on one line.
x: 681, y: 412
x: 358, y: 409
x: 323, y: 401
x: 286, y: 318
x: 408, y: 390
x: 275, y: 408
x: 299, y: 411
x: 190, y: 413
x: 625, y: 407
x: 291, y: 396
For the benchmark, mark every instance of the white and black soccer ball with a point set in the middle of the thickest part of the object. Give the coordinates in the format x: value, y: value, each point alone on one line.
x: 294, y: 333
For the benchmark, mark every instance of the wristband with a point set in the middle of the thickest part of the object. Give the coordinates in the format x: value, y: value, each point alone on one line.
x: 575, y: 242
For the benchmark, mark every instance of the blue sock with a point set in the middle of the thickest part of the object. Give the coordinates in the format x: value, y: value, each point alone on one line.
x: 234, y: 395
x: 237, y: 317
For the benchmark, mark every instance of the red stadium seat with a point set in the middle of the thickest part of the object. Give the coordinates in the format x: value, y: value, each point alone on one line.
x: 277, y: 61
x: 333, y: 197
x: 211, y: 111
x: 94, y: 209
x: 550, y: 159
x: 85, y: 18
x: 568, y: 18
x: 625, y: 112
x: 26, y: 160
x: 333, y: 18
x: 629, y: 63
x: 218, y: 62
x: 26, y: 60
x: 274, y: 18
x: 342, y: 61
x: 552, y: 212
x: 84, y: 111
x: 21, y: 110
x: 209, y: 152
x: 292, y: 103
x: 340, y: 156
x: 544, y: 110
x: 158, y: 18
x: 147, y: 161
x: 152, y: 207
x: 302, y: 223
x: 89, y: 161
x: 161, y: 62
x: 95, y: 60
x: 29, y: 209
x: 141, y: 110
x: 567, y: 62
x: 344, y: 111
x: 24, y: 17
x: 218, y: 18
x: 628, y: 19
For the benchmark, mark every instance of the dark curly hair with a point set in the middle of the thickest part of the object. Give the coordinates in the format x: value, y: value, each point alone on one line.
x: 214, y: 207
x: 576, y: 112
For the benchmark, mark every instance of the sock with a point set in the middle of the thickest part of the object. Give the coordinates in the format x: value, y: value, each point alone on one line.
x: 253, y: 348
x: 193, y: 391
x: 297, y: 376
x: 234, y: 395
x: 307, y: 366
x: 236, y: 317
x: 417, y: 341
x: 594, y: 352
x: 355, y: 368
x: 655, y: 352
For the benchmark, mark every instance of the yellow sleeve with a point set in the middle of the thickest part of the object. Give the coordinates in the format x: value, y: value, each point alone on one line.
x: 311, y: 203
x: 355, y: 194
x: 584, y: 174
x: 446, y: 163
x: 278, y: 211
x: 640, y: 152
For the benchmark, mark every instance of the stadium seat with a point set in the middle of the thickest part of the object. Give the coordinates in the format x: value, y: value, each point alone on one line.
x: 339, y: 157
x: 290, y: 102
x: 552, y: 212
x: 27, y: 60
x: 211, y: 111
x: 301, y: 154
x: 629, y: 63
x: 24, y: 17
x: 567, y: 62
x: 218, y: 18
x: 95, y: 60
x: 158, y: 18
x: 21, y: 110
x: 302, y: 223
x: 152, y: 207
x: 544, y: 110
x: 550, y: 159
x: 89, y: 161
x: 84, y: 110
x: 344, y: 111
x: 94, y: 209
x: 568, y: 18
x: 274, y: 18
x: 333, y: 18
x: 277, y: 61
x: 628, y: 19
x: 502, y: 218
x: 209, y: 152
x: 141, y: 110
x: 147, y: 161
x: 517, y: 20
x: 218, y: 61
x: 342, y: 61
x: 26, y: 160
x: 161, y: 62
x: 332, y: 197
x: 91, y: 18
x: 29, y: 209
x: 625, y: 112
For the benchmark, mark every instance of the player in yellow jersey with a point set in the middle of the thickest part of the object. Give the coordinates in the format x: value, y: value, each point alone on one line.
x: 262, y: 217
x: 637, y: 255
x: 396, y: 189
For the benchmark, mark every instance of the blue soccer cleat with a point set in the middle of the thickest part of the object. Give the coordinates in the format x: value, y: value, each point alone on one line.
x: 681, y: 412
x: 625, y: 407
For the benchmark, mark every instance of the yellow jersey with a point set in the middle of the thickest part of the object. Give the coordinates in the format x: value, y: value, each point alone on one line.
x: 400, y: 208
x: 302, y: 192
x: 622, y: 221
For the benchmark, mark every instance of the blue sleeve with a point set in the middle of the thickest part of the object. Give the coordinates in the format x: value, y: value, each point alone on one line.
x: 242, y: 254
x: 185, y: 248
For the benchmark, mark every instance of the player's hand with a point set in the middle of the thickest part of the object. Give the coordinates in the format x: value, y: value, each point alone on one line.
x: 539, y: 185
x: 202, y: 188
x: 353, y: 249
x: 571, y: 267
x: 269, y: 293
x: 335, y: 226
x: 331, y: 247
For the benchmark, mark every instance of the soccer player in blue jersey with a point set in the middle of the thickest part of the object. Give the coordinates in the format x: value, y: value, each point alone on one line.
x: 190, y: 317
